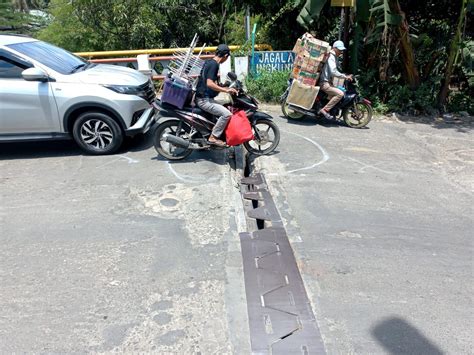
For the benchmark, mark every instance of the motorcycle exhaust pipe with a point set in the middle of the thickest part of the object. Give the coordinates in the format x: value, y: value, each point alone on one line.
x: 302, y: 110
x: 177, y: 141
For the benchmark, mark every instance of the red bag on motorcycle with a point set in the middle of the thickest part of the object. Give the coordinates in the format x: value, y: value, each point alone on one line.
x: 238, y: 129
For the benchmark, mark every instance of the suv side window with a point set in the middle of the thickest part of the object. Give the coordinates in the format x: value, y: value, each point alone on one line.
x: 11, y: 66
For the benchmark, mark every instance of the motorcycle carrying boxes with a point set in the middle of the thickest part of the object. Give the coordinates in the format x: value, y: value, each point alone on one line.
x: 302, y: 95
x: 238, y: 129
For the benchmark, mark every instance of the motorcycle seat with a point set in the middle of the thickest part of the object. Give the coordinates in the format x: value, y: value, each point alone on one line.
x: 194, y: 109
x: 189, y: 109
x: 200, y: 112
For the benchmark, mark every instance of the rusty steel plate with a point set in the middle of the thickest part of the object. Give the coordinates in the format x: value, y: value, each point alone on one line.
x: 280, y: 315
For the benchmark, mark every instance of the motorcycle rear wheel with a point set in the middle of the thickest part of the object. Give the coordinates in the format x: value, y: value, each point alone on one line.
x: 289, y: 113
x: 358, y: 115
x: 267, y: 137
x: 166, y: 149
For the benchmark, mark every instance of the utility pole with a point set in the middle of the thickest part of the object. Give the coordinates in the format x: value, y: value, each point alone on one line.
x: 341, y: 25
x: 345, y: 36
x: 346, y: 6
x: 247, y: 24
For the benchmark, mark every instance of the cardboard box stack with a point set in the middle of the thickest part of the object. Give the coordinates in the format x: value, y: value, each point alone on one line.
x: 311, y: 55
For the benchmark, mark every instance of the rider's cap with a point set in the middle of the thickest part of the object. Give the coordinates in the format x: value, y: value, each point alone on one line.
x: 339, y: 45
x: 222, y: 50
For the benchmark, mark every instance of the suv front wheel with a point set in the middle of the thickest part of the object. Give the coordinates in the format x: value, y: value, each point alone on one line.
x: 97, y: 133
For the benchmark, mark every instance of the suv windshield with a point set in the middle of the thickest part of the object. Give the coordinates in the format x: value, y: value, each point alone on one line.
x: 53, y: 57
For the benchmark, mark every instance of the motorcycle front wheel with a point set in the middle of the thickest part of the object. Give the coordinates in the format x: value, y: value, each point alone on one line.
x: 267, y: 137
x: 358, y: 115
x: 167, y: 150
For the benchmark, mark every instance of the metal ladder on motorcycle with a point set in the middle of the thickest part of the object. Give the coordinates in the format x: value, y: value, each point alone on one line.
x: 185, y: 65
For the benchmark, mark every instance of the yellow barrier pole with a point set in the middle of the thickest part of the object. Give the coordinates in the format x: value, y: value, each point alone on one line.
x: 161, y: 51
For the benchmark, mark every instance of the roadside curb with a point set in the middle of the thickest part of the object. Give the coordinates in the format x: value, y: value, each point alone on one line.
x: 235, y: 296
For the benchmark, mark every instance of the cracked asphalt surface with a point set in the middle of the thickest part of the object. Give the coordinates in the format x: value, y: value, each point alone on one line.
x: 130, y: 253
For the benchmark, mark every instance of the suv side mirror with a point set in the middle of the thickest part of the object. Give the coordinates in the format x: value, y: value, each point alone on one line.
x: 34, y: 74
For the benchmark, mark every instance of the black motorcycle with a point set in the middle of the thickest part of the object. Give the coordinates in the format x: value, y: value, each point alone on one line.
x: 355, y: 111
x: 181, y: 131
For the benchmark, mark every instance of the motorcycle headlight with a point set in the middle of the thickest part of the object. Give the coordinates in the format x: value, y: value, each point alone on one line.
x: 124, y: 89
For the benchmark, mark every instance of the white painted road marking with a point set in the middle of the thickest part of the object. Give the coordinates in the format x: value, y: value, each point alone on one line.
x: 191, y: 179
x: 317, y: 145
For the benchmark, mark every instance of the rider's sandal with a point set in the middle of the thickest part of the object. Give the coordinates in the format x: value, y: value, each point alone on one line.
x: 326, y: 114
x: 215, y: 141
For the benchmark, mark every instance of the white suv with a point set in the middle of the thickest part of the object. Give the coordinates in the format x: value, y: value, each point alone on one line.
x: 49, y: 93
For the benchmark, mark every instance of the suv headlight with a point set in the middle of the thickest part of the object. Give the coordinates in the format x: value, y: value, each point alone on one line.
x: 124, y: 89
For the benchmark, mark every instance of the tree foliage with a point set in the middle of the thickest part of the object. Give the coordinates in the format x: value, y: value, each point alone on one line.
x: 65, y: 30
x: 15, y: 16
x: 408, y: 53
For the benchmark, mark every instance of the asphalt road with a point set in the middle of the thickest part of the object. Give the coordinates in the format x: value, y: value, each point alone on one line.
x: 381, y: 220
x: 129, y: 253
x: 118, y: 253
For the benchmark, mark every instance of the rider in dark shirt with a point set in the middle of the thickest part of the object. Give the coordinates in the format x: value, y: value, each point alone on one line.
x: 208, y: 88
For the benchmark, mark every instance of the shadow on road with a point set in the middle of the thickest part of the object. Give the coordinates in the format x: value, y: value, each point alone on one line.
x: 399, y: 337
x: 36, y: 150
x: 64, y: 148
x: 217, y: 156
x: 310, y: 121
x: 460, y: 124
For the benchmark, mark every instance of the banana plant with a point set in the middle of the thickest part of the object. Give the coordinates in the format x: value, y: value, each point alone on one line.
x: 382, y: 16
x: 310, y: 12
x: 453, y: 53
x: 362, y: 16
x: 388, y: 24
